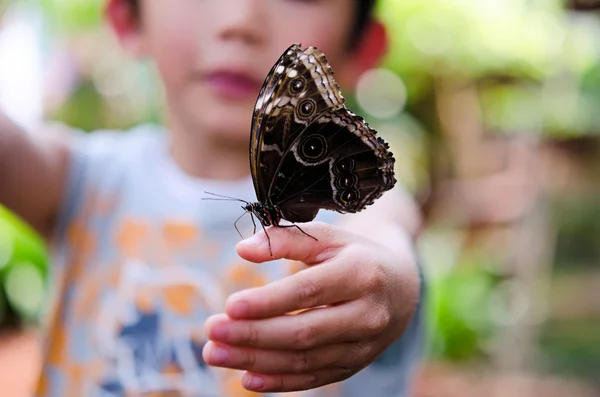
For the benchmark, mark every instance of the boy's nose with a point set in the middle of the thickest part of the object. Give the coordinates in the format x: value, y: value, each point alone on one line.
x: 241, y: 20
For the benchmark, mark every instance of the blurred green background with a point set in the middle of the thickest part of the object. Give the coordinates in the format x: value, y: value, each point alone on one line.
x: 492, y: 111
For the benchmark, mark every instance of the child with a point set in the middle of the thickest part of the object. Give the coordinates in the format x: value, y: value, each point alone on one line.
x: 153, y: 298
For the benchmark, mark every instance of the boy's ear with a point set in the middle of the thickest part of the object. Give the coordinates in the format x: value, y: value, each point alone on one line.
x: 367, y: 53
x: 126, y: 25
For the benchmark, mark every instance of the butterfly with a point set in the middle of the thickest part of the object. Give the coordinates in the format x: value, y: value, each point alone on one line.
x: 308, y: 151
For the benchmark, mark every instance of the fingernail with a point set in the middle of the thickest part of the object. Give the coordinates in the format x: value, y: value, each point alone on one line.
x: 240, y: 309
x: 253, y: 382
x: 218, y: 355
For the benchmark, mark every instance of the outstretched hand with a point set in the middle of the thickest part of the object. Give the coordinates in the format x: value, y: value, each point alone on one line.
x: 357, y: 296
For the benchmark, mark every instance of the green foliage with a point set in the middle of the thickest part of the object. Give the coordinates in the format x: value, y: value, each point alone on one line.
x: 476, y: 38
x: 540, y: 44
x: 571, y: 348
x: 578, y: 239
x: 24, y: 272
x: 70, y: 16
x: 461, y: 313
x: 461, y: 301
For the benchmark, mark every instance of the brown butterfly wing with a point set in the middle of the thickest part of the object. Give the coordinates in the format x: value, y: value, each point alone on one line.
x: 337, y: 163
x: 308, y: 151
x: 289, y: 100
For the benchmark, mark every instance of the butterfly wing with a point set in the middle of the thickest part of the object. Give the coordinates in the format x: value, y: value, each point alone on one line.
x: 308, y: 151
x: 336, y: 163
x: 299, y: 87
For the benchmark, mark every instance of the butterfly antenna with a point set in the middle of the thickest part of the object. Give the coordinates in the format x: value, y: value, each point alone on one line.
x: 223, y: 198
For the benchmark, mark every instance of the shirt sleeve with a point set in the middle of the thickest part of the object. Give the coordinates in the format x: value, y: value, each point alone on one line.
x: 91, y: 163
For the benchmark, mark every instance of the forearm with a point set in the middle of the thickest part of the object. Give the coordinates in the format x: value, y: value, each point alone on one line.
x: 31, y: 174
x: 394, y: 221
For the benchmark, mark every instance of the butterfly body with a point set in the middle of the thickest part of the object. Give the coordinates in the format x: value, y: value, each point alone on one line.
x: 307, y: 150
x: 267, y: 216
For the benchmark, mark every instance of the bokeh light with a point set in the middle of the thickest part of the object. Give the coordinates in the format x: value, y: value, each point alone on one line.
x: 381, y: 93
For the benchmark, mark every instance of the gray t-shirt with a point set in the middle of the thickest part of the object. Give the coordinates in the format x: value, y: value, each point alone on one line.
x: 142, y: 261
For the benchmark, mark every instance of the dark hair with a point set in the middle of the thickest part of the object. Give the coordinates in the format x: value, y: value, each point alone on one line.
x: 364, y: 12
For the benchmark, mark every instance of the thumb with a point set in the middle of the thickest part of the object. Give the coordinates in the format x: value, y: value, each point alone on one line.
x: 310, y: 243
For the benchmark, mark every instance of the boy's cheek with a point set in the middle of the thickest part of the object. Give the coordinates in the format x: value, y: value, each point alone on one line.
x: 175, y: 61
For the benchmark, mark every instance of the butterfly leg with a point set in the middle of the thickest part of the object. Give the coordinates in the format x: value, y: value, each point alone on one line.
x: 237, y: 220
x: 268, y: 239
x: 253, y: 223
x: 299, y: 228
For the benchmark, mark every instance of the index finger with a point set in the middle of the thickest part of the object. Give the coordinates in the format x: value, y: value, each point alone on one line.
x: 325, y: 284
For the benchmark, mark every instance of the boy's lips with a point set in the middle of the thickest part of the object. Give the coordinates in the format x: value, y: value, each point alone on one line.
x: 233, y: 84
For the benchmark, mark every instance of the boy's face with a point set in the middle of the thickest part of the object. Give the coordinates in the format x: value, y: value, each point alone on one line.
x: 213, y: 55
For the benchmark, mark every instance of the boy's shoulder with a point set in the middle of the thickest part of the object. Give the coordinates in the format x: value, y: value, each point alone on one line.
x: 106, y: 152
x: 109, y: 162
x: 106, y: 156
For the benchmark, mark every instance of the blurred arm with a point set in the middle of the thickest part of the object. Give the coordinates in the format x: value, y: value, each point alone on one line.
x: 32, y: 174
x: 393, y: 221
